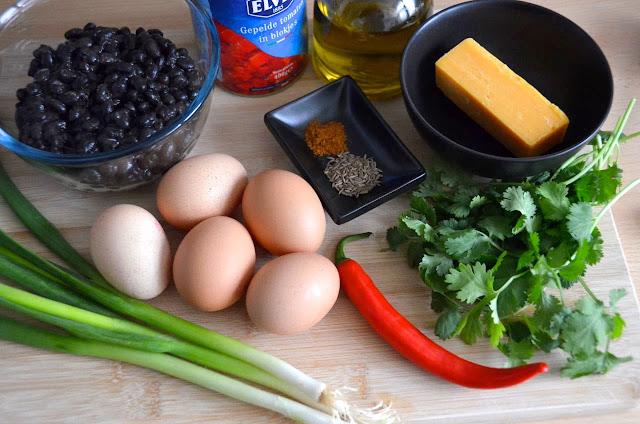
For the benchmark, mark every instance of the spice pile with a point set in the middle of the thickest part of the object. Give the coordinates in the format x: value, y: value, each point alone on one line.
x: 349, y: 174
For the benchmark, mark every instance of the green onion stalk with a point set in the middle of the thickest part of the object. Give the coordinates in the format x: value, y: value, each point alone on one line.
x: 92, y: 311
x: 32, y: 336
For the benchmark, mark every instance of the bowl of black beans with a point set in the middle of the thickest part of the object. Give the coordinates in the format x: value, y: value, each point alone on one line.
x: 113, y: 100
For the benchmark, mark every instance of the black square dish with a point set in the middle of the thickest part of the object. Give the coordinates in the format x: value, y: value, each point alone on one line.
x: 367, y: 134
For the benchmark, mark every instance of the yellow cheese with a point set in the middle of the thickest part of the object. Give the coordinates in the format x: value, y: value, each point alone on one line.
x: 500, y: 101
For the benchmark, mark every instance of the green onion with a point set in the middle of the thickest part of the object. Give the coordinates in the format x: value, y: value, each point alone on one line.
x: 44, y: 230
x: 32, y: 336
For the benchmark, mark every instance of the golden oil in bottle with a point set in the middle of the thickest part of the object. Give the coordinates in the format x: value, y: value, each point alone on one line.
x: 365, y: 39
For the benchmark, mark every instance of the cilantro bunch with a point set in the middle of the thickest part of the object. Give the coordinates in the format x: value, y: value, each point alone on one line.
x: 498, y: 256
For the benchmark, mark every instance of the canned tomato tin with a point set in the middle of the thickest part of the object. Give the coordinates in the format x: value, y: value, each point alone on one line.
x: 263, y: 43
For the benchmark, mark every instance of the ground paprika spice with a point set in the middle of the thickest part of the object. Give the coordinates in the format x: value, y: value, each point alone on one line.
x: 326, y: 139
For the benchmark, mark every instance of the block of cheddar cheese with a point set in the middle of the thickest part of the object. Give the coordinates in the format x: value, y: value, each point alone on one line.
x: 500, y: 101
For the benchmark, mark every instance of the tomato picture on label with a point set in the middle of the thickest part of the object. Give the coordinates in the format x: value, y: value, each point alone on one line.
x: 245, y: 69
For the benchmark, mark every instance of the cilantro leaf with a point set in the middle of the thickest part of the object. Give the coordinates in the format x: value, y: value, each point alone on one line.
x: 471, y: 283
x: 440, y: 263
x: 515, y: 199
x: 467, y: 246
x: 614, y: 296
x: 421, y: 207
x: 554, y: 202
x: 599, y: 185
x: 415, y: 252
x: 596, y: 362
x: 447, y: 323
x: 395, y: 238
x: 439, y: 302
x: 477, y: 201
x: 525, y: 260
x: 550, y: 314
x: 497, y: 226
x: 495, y: 330
x: 544, y: 341
x: 586, y: 328
x: 472, y: 326
x: 421, y: 228
x: 580, y: 220
x: 459, y: 210
x: 595, y: 248
x: 514, y: 297
x: 517, y: 352
x: 618, y: 325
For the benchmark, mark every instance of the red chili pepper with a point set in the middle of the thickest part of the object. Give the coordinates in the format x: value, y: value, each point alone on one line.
x: 410, y: 342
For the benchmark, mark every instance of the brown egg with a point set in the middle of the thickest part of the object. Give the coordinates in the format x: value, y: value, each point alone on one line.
x: 201, y: 187
x: 129, y: 247
x: 214, y: 263
x: 283, y: 213
x: 292, y: 293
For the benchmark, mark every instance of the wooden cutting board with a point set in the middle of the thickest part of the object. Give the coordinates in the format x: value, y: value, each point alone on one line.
x: 43, y: 387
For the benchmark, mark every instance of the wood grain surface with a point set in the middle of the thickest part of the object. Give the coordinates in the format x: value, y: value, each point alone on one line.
x: 43, y: 387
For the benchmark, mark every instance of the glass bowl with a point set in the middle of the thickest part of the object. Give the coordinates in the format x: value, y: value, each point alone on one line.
x: 30, y: 23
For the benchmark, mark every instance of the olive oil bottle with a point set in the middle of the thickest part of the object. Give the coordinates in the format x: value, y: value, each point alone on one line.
x: 365, y: 39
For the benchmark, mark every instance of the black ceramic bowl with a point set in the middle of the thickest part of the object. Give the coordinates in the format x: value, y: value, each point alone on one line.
x: 548, y: 50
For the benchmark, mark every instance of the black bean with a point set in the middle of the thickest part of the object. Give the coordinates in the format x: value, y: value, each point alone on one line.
x: 107, y: 144
x: 107, y: 108
x: 175, y: 72
x: 181, y: 107
x: 152, y: 49
x: 56, y: 143
x: 146, y: 133
x: 130, y: 139
x: 139, y: 31
x: 55, y: 105
x: 106, y: 58
x: 53, y: 128
x: 112, y: 132
x: 21, y: 94
x: 88, y: 55
x: 138, y: 83
x: 193, y: 94
x: 88, y: 146
x: 151, y: 71
x: 168, y: 99
x: 160, y: 61
x: 179, y: 82
x: 72, y: 33
x: 118, y: 88
x: 74, y: 113
x: 196, y: 79
x: 179, y: 95
x: 155, y: 31
x: 131, y: 95
x: 143, y: 107
x: 33, y: 89
x: 182, y: 52
x: 167, y: 113
x: 129, y: 106
x: 66, y: 75
x: 80, y: 82
x: 186, y: 63
x: 35, y: 130
x: 147, y: 120
x: 42, y: 75
x: 111, y: 78
x: 91, y: 125
x: 124, y: 68
x: 102, y: 93
x: 120, y: 118
x: 83, y: 95
x: 69, y: 97
x: 124, y: 30
x: 138, y: 56
x: 46, y: 60
x: 90, y: 26
x: 138, y: 70
x: 163, y: 79
x: 82, y: 42
x: 153, y: 97
x: 155, y: 86
x: 34, y: 67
